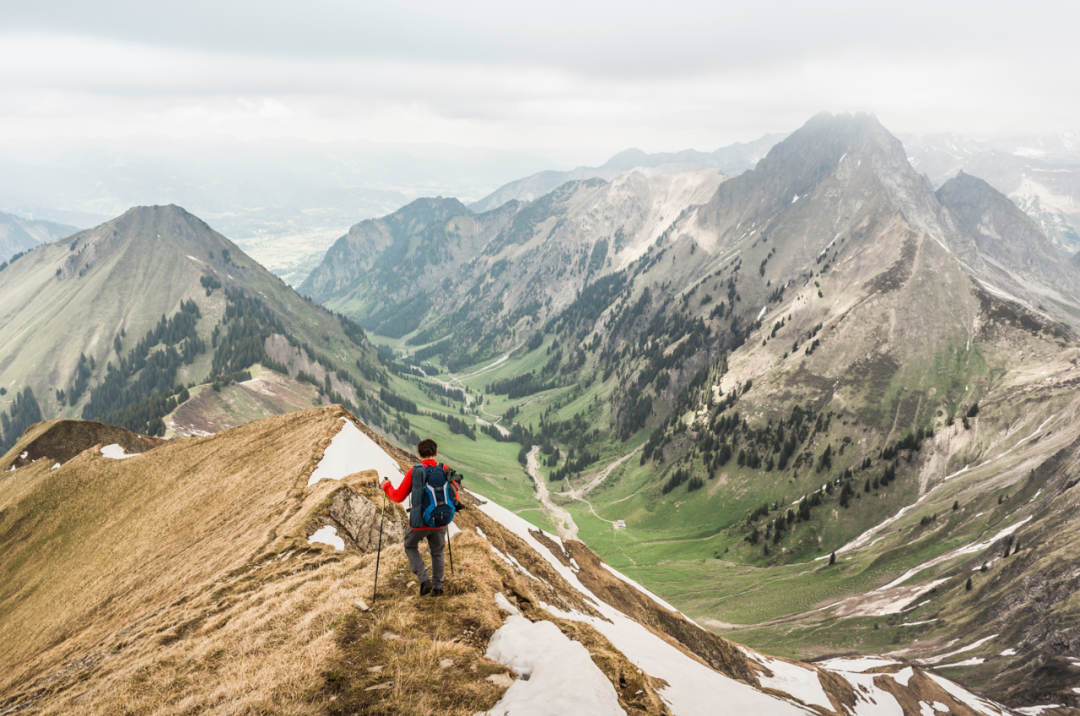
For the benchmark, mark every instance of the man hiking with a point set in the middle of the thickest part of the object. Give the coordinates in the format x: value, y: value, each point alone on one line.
x: 433, y: 490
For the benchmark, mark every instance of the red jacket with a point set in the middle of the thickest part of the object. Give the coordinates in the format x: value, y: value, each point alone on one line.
x: 399, y: 493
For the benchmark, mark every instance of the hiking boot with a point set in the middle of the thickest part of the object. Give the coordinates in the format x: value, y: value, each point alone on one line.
x: 437, y: 592
x: 425, y: 588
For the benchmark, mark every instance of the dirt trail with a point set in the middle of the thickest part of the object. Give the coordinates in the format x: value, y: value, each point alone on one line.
x: 603, y: 475
x: 503, y: 431
x: 564, y: 522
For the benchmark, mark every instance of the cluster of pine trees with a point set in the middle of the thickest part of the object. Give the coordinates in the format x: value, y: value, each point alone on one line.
x: 248, y: 323
x: 680, y: 476
x: 456, y: 425
x: 575, y: 463
x: 24, y: 412
x: 518, y: 386
x: 136, y: 394
x: 146, y: 415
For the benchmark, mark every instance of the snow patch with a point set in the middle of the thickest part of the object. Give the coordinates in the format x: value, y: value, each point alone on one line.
x: 56, y: 466
x: 351, y: 451
x: 903, y: 676
x: 115, y: 452
x: 504, y: 603
x: 958, y: 472
x: 984, y: 706
x: 693, y: 688
x: 969, y: 647
x: 327, y: 535
x: 959, y: 552
x: 800, y: 681
x: 557, y: 675
x: 974, y: 661
x: 855, y: 665
x: 1009, y: 652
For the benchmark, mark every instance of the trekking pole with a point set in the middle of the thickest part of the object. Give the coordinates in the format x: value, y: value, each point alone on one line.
x: 451, y: 549
x: 378, y: 554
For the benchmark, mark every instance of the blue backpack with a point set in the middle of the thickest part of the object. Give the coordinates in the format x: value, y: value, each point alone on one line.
x: 434, y: 497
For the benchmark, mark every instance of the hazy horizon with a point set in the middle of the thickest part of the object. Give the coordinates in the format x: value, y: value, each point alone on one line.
x: 571, y: 83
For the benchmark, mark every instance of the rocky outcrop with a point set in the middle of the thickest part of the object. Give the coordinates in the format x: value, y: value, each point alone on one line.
x: 361, y: 520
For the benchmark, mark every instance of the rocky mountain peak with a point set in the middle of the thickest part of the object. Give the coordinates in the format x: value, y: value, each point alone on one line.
x: 820, y: 143
x: 427, y: 211
x: 1003, y: 233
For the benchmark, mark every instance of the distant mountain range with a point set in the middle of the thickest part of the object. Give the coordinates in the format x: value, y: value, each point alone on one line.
x: 283, y: 200
x: 19, y: 234
x: 1040, y: 174
x: 733, y: 159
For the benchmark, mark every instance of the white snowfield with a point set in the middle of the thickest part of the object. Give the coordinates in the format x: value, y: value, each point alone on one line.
x: 115, y: 452
x: 969, y: 647
x: 351, y: 451
x: 800, y: 681
x: 556, y: 675
x: 974, y: 661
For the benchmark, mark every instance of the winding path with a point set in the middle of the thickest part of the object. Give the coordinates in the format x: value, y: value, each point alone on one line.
x: 603, y: 474
x: 564, y: 522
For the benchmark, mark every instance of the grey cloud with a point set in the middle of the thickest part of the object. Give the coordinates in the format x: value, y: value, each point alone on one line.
x: 609, y: 39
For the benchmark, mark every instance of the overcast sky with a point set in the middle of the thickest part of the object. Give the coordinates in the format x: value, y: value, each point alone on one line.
x: 572, y: 81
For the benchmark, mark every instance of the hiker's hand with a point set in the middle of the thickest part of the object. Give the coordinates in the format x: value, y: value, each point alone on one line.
x: 383, y: 481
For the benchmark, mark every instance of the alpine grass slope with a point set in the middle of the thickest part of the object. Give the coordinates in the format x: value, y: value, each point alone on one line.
x: 188, y: 577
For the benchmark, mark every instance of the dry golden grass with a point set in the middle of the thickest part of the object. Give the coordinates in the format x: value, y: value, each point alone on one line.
x: 96, y: 550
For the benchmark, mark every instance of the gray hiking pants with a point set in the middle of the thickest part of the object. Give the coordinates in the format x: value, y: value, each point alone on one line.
x: 436, y: 540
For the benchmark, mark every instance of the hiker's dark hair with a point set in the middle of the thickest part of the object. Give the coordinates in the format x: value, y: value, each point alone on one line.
x: 427, y: 448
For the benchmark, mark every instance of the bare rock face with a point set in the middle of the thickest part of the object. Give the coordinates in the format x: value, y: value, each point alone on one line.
x: 359, y: 519
x: 355, y: 253
x: 1005, y: 234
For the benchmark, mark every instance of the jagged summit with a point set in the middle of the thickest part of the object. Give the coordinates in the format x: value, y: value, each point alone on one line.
x: 355, y: 252
x: 817, y: 147
x: 1003, y: 234
x: 236, y: 572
